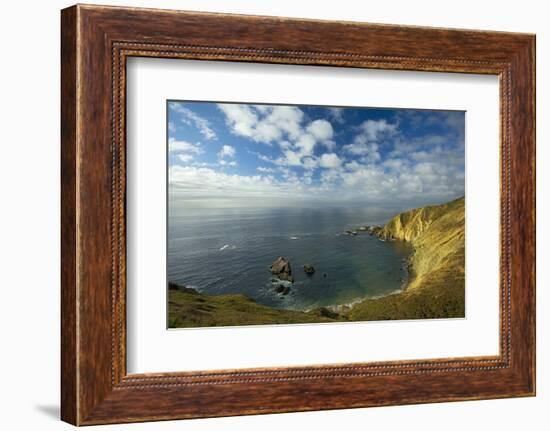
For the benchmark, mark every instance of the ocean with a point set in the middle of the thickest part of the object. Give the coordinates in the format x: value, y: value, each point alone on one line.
x: 226, y: 251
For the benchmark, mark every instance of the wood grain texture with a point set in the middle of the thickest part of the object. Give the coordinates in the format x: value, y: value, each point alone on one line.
x: 96, y: 41
x: 69, y: 397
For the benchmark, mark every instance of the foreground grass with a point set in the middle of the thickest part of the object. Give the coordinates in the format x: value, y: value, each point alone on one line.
x: 430, y: 302
x: 189, y: 308
x: 435, y: 288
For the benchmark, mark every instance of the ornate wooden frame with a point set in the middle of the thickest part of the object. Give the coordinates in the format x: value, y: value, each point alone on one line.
x: 95, y: 42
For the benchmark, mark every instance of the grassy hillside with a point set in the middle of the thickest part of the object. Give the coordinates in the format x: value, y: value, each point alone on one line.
x: 436, y: 268
x: 435, y: 288
x: 188, y: 308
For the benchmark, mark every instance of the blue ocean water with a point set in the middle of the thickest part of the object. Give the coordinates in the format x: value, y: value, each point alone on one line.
x: 220, y: 251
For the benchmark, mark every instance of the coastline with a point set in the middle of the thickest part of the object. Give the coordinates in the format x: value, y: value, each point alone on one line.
x: 347, y: 306
x: 434, y: 286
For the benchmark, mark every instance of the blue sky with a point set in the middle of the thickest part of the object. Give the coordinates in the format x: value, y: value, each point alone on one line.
x: 226, y: 155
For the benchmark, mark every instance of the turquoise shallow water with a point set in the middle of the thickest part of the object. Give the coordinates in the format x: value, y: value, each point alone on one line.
x: 221, y: 251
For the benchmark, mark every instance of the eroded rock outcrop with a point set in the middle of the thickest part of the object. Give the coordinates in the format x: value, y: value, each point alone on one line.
x: 282, y: 270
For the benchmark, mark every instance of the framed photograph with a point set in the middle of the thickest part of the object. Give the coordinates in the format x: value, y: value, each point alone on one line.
x: 265, y: 215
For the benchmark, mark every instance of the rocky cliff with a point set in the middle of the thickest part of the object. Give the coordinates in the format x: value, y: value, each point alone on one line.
x: 436, y: 267
x: 437, y: 235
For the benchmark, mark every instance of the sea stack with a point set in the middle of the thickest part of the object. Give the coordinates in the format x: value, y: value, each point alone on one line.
x: 282, y: 270
x: 309, y: 269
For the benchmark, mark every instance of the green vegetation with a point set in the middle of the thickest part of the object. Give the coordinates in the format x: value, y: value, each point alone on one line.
x: 188, y: 308
x: 435, y: 288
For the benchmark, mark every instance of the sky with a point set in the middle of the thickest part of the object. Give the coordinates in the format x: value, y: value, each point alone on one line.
x: 234, y: 155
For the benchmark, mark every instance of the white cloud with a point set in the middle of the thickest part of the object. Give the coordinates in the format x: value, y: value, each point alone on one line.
x: 227, y: 151
x: 263, y: 157
x: 205, y: 164
x: 337, y: 114
x: 366, y: 143
x: 368, y: 151
x: 191, y: 118
x: 184, y: 151
x: 291, y: 158
x: 329, y: 177
x: 185, y: 157
x: 330, y: 161
x: 397, y: 179
x: 321, y: 129
x: 206, y: 186
x: 434, y: 140
x: 394, y: 180
x: 175, y: 146
x: 284, y: 125
x: 421, y: 156
x: 285, y: 145
x: 395, y: 164
x: 265, y: 170
x: 264, y: 124
x: 227, y: 162
x: 322, y: 132
x: 206, y: 182
x: 287, y: 118
x: 305, y: 144
x: 310, y: 163
x: 353, y: 165
x: 241, y: 118
x: 403, y: 148
x: 374, y: 128
x: 425, y: 169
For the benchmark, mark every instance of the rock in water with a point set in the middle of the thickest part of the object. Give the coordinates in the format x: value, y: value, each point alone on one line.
x: 281, y: 288
x: 350, y: 232
x: 309, y: 269
x: 281, y: 269
x: 374, y: 230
